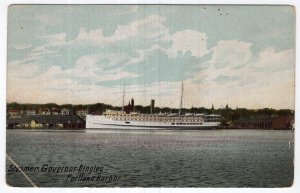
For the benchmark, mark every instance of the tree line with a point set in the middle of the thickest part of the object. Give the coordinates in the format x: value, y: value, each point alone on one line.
x: 227, y: 113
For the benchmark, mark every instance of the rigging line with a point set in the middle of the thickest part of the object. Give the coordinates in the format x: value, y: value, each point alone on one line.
x: 116, y: 100
x: 12, y: 161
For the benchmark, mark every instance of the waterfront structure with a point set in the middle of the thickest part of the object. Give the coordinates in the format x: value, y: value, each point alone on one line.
x: 46, y: 122
x: 30, y: 112
x: 14, y: 112
x: 34, y: 124
x: 128, y: 119
x: 54, y: 111
x: 44, y: 112
x: 278, y: 123
x: 81, y: 113
x: 65, y: 111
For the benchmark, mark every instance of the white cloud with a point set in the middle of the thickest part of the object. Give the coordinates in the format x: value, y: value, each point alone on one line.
x: 18, y: 70
x: 231, y: 53
x: 90, y: 67
x: 267, y: 81
x: 84, y: 66
x: 189, y: 40
x: 92, y: 36
x: 270, y: 60
x: 229, y: 59
x: 56, y: 39
x: 150, y: 27
x: 37, y: 53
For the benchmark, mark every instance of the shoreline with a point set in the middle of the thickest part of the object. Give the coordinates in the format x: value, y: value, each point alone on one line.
x: 150, y: 130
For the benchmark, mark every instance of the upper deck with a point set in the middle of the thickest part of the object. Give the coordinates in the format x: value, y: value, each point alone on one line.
x: 161, y: 117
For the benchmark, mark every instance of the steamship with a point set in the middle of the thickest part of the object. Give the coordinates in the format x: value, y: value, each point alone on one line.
x: 128, y: 119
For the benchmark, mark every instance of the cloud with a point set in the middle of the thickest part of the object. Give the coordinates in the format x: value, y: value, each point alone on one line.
x: 22, y: 71
x: 89, y: 56
x: 260, y: 81
x: 56, y: 39
x: 100, y: 68
x: 270, y: 60
x: 148, y: 28
x: 155, y: 69
x: 189, y: 40
x: 226, y: 64
x: 73, y: 61
x: 231, y: 53
x: 224, y: 79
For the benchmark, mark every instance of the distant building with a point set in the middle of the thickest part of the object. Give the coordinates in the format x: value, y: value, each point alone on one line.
x: 81, y: 113
x: 129, y: 108
x: 65, y: 111
x: 282, y: 123
x: 22, y: 112
x: 46, y: 122
x: 35, y: 124
x: 30, y: 112
x: 45, y: 112
x: 14, y: 112
x: 54, y: 111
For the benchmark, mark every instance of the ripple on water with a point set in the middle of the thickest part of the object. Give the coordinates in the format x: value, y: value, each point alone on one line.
x: 218, y: 158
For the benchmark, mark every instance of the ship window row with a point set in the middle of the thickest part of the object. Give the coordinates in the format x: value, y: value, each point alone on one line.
x: 141, y: 115
x: 188, y: 123
x: 153, y: 116
x: 161, y: 120
x: 213, y: 120
x: 158, y: 119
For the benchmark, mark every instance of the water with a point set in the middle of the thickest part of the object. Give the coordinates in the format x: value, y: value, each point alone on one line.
x: 214, y: 158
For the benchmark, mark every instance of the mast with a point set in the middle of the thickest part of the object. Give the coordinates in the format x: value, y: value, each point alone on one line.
x: 181, y: 98
x: 123, y: 98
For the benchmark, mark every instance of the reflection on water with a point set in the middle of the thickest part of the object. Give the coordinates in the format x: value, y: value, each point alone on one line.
x: 206, y: 158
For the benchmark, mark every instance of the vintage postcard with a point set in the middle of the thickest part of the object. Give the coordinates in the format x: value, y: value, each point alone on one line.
x: 150, y: 96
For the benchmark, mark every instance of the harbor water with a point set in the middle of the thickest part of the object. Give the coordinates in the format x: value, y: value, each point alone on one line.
x: 114, y: 158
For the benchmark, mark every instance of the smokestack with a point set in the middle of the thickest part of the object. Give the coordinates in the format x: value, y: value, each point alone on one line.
x: 152, y: 105
x: 132, y: 104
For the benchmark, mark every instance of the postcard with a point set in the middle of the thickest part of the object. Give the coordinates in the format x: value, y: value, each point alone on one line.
x: 136, y: 95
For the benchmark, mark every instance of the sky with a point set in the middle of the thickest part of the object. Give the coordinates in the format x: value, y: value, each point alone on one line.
x: 243, y: 56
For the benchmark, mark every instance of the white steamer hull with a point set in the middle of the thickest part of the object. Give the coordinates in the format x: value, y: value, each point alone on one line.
x: 101, y: 122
